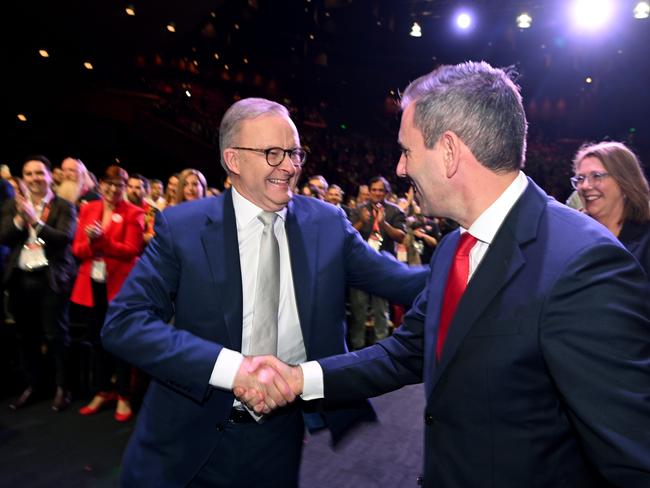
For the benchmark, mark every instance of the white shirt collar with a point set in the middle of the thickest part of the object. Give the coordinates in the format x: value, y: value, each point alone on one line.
x: 488, y: 223
x: 246, y: 211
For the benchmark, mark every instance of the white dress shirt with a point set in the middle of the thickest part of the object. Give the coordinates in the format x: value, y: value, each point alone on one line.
x: 291, y: 347
x: 484, y: 229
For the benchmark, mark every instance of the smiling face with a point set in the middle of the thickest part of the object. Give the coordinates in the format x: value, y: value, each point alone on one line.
x: 604, y: 200
x: 192, y: 188
x: 37, y: 178
x: 423, y: 166
x: 270, y: 188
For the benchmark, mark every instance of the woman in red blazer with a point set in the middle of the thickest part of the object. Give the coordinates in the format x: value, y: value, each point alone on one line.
x: 107, y: 243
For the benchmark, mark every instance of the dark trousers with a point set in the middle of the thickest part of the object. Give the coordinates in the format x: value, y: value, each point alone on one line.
x: 105, y: 364
x: 41, y: 319
x: 256, y: 455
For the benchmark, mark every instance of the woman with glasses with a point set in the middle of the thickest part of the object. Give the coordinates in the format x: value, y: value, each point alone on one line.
x: 107, y: 243
x: 191, y: 186
x: 614, y: 191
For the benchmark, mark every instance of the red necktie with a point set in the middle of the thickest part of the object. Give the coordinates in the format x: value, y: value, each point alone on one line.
x: 456, y: 284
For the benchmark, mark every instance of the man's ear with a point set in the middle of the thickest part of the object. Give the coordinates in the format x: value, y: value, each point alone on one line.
x: 451, y: 148
x: 231, y: 158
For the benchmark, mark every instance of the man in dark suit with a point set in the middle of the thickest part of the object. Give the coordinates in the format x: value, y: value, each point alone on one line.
x: 39, y: 227
x: 203, y: 269
x: 532, y: 336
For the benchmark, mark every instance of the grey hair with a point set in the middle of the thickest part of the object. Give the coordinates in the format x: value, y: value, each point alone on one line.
x: 245, y: 109
x: 482, y: 105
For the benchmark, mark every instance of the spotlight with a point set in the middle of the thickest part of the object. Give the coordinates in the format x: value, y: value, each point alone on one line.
x: 416, y: 30
x: 88, y: 65
x: 130, y: 10
x: 641, y: 10
x: 171, y: 27
x: 22, y: 117
x: 591, y: 14
x: 524, y: 21
x: 463, y: 21
x: 43, y: 53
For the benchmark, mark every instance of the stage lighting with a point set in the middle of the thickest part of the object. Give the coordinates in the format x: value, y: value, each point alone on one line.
x: 524, y: 21
x: 591, y: 14
x: 463, y: 20
x: 642, y: 10
x: 416, y: 30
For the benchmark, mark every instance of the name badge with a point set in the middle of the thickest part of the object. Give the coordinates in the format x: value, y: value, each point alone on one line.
x: 32, y: 256
x: 375, y: 240
x: 98, y: 271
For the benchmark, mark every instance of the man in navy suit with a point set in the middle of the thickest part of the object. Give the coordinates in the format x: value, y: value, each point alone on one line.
x: 541, y: 377
x: 201, y: 270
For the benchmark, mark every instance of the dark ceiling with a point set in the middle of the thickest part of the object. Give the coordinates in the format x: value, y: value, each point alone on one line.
x: 345, y: 54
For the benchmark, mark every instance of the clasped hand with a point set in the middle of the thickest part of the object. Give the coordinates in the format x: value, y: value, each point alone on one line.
x: 264, y: 383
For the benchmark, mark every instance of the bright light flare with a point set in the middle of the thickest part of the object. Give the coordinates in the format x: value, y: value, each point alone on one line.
x: 464, y: 20
x: 22, y: 117
x: 591, y: 14
x: 88, y: 65
x: 641, y: 10
x: 43, y: 53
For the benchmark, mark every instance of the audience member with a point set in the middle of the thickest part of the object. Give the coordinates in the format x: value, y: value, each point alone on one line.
x: 108, y: 242
x: 614, y: 191
x: 191, y: 186
x: 38, y: 227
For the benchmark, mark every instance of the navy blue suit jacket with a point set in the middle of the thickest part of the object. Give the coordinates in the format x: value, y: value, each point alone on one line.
x: 544, y: 379
x: 191, y: 271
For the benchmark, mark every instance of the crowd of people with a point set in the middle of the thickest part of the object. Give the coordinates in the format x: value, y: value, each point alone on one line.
x: 73, y: 238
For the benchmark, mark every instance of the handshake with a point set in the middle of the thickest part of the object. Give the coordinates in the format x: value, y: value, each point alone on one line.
x: 264, y: 383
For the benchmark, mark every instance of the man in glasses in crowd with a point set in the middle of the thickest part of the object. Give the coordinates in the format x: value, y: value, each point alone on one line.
x: 256, y: 270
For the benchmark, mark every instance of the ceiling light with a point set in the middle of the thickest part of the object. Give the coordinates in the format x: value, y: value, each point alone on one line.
x: 43, y: 53
x: 524, y: 21
x: 22, y: 117
x: 416, y: 30
x: 130, y: 10
x: 171, y: 27
x: 88, y: 65
x: 641, y: 10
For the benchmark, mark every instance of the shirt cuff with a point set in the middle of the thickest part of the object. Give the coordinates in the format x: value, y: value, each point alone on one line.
x: 312, y: 374
x: 225, y: 369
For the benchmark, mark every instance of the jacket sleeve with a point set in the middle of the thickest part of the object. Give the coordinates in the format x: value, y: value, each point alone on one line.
x: 60, y: 233
x: 81, y: 244
x: 10, y: 235
x: 137, y: 325
x: 595, y: 339
x: 133, y: 241
x: 386, y: 366
x: 380, y: 273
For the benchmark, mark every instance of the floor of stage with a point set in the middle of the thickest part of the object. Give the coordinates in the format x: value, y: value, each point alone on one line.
x: 39, y: 448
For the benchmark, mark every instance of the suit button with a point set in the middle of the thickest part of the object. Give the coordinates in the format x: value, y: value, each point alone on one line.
x: 428, y: 419
x: 420, y: 480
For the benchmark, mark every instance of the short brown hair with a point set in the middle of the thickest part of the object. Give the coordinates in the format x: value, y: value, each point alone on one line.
x: 115, y: 172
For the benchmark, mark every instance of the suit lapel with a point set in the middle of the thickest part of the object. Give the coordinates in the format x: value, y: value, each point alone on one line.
x: 501, y: 263
x: 302, y: 237
x: 219, y: 238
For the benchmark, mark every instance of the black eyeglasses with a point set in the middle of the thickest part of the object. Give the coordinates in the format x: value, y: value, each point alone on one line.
x: 594, y: 177
x: 275, y: 155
